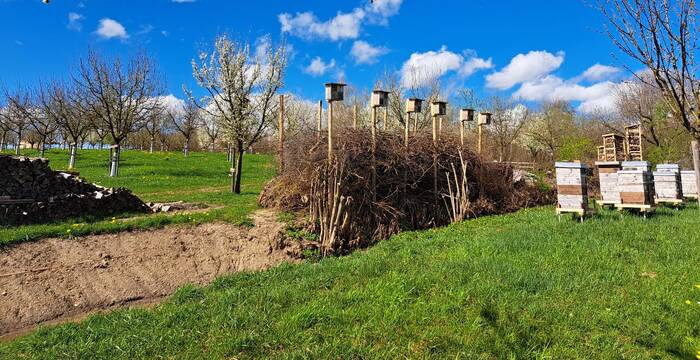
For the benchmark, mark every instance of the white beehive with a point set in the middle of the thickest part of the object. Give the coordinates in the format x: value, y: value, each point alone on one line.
x: 572, y: 188
x: 379, y: 98
x: 667, y: 184
x: 335, y: 91
x: 484, y: 118
x: 414, y: 105
x: 636, y: 165
x: 466, y: 115
x: 636, y: 184
x: 607, y: 175
x: 690, y: 186
x: 438, y: 108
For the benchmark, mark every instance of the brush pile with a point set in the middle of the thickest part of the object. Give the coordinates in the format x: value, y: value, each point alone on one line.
x: 404, y: 197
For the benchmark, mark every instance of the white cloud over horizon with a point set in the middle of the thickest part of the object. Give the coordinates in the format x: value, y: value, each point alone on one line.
x: 318, y: 67
x: 523, y: 68
x: 364, y: 53
x: 109, y: 28
x: 421, y: 68
x: 74, y: 21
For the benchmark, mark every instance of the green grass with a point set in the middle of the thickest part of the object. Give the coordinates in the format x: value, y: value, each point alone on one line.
x: 514, y: 286
x: 158, y: 177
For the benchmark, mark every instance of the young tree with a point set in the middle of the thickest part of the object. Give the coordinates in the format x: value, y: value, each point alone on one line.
x: 120, y: 95
x: 507, y: 124
x: 14, y: 116
x: 186, y: 121
x: 241, y: 86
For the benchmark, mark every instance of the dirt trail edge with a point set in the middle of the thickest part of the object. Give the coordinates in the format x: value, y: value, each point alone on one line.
x: 56, y: 280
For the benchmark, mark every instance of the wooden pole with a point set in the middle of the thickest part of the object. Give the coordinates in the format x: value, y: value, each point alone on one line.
x: 435, y: 170
x: 480, y: 135
x: 281, y: 134
x: 461, y: 134
x: 354, y: 116
x: 440, y: 126
x: 695, y: 148
x: 386, y: 117
x: 405, y: 128
x: 319, y: 120
x: 374, y: 153
x: 330, y: 132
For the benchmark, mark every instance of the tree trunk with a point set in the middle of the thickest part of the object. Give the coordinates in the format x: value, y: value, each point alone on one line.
x: 695, y: 148
x: 73, y: 151
x: 2, y: 141
x: 236, y: 181
x: 186, y: 149
x: 152, y: 145
x: 19, y: 141
x: 114, y: 168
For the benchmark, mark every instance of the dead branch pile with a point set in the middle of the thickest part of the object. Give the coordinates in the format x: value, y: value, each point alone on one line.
x: 405, y: 199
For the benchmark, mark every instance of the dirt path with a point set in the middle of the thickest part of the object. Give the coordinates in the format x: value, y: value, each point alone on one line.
x: 55, y: 280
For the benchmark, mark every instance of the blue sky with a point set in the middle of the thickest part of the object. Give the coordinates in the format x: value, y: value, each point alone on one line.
x: 528, y: 50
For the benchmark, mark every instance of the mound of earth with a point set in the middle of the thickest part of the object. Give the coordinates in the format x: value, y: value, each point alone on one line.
x: 31, y: 193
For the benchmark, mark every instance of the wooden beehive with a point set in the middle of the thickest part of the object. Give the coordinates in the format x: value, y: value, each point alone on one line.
x: 466, y: 115
x: 572, y: 188
x: 438, y: 108
x: 607, y: 175
x: 613, y: 147
x: 335, y: 91
x: 667, y: 184
x: 379, y: 98
x: 484, y: 118
x: 414, y: 105
x: 633, y: 142
x: 636, y: 184
x: 690, y: 186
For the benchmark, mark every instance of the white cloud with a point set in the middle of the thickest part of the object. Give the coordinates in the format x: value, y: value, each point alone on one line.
x: 345, y: 25
x: 365, y: 53
x: 109, y: 29
x: 74, y: 21
x: 172, y: 103
x: 523, y: 68
x: 318, y: 67
x: 421, y: 68
x: 599, y: 72
x: 599, y: 96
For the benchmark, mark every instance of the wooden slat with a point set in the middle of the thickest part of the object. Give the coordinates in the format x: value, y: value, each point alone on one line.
x: 633, y: 198
x: 570, y: 189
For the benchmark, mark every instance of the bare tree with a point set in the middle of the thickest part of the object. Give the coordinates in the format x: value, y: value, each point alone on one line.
x: 186, y: 122
x: 14, y: 116
x: 240, y: 86
x: 546, y: 131
x: 507, y: 124
x: 122, y: 96
x: 661, y: 35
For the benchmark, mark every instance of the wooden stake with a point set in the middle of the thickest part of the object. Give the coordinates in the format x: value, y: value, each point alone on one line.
x: 330, y: 132
x: 354, y: 116
x: 320, y: 120
x: 695, y: 148
x: 405, y: 127
x: 461, y: 134
x: 480, y: 135
x: 435, y: 170
x: 281, y: 134
x: 386, y: 117
x: 374, y: 153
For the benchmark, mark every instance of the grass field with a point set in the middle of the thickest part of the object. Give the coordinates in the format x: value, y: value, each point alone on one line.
x: 158, y: 177
x: 512, y: 286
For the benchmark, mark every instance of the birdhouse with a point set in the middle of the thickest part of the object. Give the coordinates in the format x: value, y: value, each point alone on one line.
x: 438, y: 108
x: 334, y: 91
x: 380, y: 98
x: 466, y: 115
x: 485, y: 118
x: 414, y: 105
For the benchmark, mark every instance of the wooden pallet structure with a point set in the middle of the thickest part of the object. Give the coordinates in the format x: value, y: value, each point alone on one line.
x: 613, y: 148
x: 601, y: 153
x: 572, y: 189
x: 668, y: 186
x: 634, y: 142
x: 607, y: 175
x: 690, y: 186
x: 636, y: 184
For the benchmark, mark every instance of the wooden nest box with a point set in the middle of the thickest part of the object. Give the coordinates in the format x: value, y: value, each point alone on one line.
x: 633, y: 142
x: 335, y: 91
x: 414, y: 105
x: 380, y: 98
x: 572, y: 188
x: 485, y: 118
x: 466, y: 115
x: 438, y: 108
x: 668, y: 186
x: 613, y: 148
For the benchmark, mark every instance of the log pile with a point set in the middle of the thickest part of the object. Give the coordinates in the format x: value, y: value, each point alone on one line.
x: 690, y: 187
x: 31, y: 193
x: 667, y: 184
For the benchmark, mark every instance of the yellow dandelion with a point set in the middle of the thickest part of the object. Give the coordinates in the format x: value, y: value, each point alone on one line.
x: 69, y: 231
x: 688, y: 302
x: 698, y: 287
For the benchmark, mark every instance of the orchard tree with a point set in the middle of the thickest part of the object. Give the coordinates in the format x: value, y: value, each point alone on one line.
x: 13, y: 115
x: 121, y: 95
x: 186, y: 121
x: 240, y: 87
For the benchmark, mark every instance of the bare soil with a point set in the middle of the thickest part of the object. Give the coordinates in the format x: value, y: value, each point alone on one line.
x: 57, y: 280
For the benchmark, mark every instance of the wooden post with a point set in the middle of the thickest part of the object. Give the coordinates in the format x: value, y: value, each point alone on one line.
x: 374, y: 153
x: 461, y: 134
x: 695, y: 148
x: 386, y: 117
x: 480, y: 135
x: 405, y: 128
x: 281, y: 134
x: 440, y: 126
x: 435, y: 170
x: 330, y: 132
x: 354, y: 116
x: 319, y: 120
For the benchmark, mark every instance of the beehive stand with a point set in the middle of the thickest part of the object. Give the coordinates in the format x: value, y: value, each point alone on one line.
x: 636, y: 184
x: 667, y: 184
x: 572, y: 189
x: 690, y: 187
x: 607, y: 174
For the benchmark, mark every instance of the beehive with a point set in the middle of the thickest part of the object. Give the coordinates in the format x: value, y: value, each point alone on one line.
x: 335, y: 91
x: 607, y: 174
x: 572, y: 188
x: 380, y: 98
x: 636, y: 185
x: 484, y: 118
x: 689, y: 184
x: 667, y: 184
x: 466, y: 115
x: 438, y: 108
x: 414, y: 105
